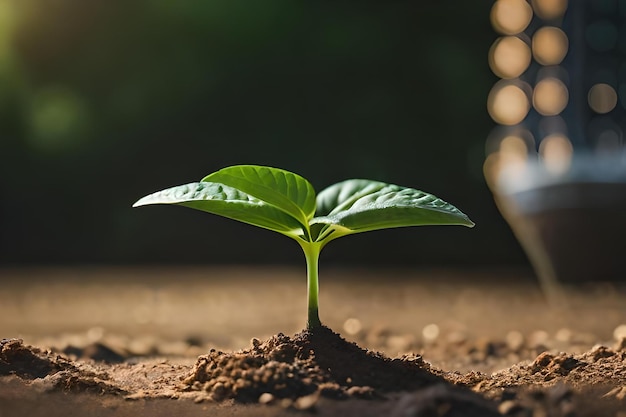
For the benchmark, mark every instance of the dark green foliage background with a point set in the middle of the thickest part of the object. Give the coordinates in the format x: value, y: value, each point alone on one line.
x: 105, y: 101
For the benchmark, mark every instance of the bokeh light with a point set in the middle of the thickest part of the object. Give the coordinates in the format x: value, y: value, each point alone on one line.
x: 549, y: 45
x: 550, y: 96
x: 518, y: 58
x: 509, y: 57
x: 609, y: 142
x: 602, y: 98
x: 605, y: 135
x: 510, y: 149
x: 58, y: 119
x: 514, y: 145
x: 508, y: 103
x: 510, y: 17
x: 556, y: 152
x: 513, y: 154
x: 549, y: 9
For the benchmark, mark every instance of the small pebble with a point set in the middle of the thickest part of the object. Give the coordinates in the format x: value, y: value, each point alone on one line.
x: 219, y: 391
x: 509, y: 407
x: 619, y: 332
x: 361, y: 392
x: 266, y: 398
x: 307, y: 402
x: 286, y: 403
x: 430, y: 333
x: 352, y: 326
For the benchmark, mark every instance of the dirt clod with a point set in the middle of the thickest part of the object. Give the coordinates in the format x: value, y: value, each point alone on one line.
x: 551, y: 365
x: 17, y: 359
x: 49, y: 371
x: 312, y: 363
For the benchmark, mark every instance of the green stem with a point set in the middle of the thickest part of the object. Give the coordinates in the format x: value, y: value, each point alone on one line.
x: 312, y: 254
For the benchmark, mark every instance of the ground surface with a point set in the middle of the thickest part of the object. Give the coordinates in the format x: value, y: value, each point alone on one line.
x: 230, y: 342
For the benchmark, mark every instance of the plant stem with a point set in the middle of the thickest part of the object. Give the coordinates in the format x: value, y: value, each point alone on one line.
x: 312, y: 254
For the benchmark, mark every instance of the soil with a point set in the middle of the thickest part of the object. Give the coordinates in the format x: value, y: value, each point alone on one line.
x: 506, y: 366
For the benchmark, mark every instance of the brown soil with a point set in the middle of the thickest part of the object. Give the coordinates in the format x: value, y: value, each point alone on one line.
x: 296, y: 372
x: 525, y: 373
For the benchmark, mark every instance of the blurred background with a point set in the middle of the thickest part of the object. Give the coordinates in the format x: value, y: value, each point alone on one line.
x: 103, y: 102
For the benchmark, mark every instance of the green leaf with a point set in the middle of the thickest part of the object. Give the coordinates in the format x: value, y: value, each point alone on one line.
x: 285, y: 190
x: 355, y: 206
x: 341, y: 196
x: 228, y: 202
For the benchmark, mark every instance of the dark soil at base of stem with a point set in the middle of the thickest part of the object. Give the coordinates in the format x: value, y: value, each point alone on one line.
x: 320, y: 363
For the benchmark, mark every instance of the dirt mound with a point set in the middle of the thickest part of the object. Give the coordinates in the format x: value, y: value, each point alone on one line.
x: 50, y: 371
x: 557, y: 383
x: 293, y: 372
x: 313, y: 363
x: 313, y: 369
x: 599, y: 366
x: 26, y: 362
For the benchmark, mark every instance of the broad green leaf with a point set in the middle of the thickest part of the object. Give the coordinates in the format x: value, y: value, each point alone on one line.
x: 342, y: 195
x: 285, y: 190
x: 226, y: 201
x: 355, y: 206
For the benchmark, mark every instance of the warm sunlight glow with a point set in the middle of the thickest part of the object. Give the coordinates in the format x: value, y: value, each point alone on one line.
x: 509, y: 57
x: 514, y: 145
x: 58, y: 119
x: 556, y: 151
x: 352, y: 326
x: 510, y: 17
x: 602, y: 98
x: 507, y: 103
x: 491, y: 169
x: 511, y: 155
x: 7, y: 23
x: 550, y: 45
x: 550, y: 96
x: 549, y: 9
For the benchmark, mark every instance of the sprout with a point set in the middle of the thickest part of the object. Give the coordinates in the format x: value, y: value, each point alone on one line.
x: 286, y: 203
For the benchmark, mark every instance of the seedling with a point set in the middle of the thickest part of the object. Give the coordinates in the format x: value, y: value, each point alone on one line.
x: 286, y: 203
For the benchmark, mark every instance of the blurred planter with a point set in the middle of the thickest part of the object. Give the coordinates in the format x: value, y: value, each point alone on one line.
x: 571, y: 223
